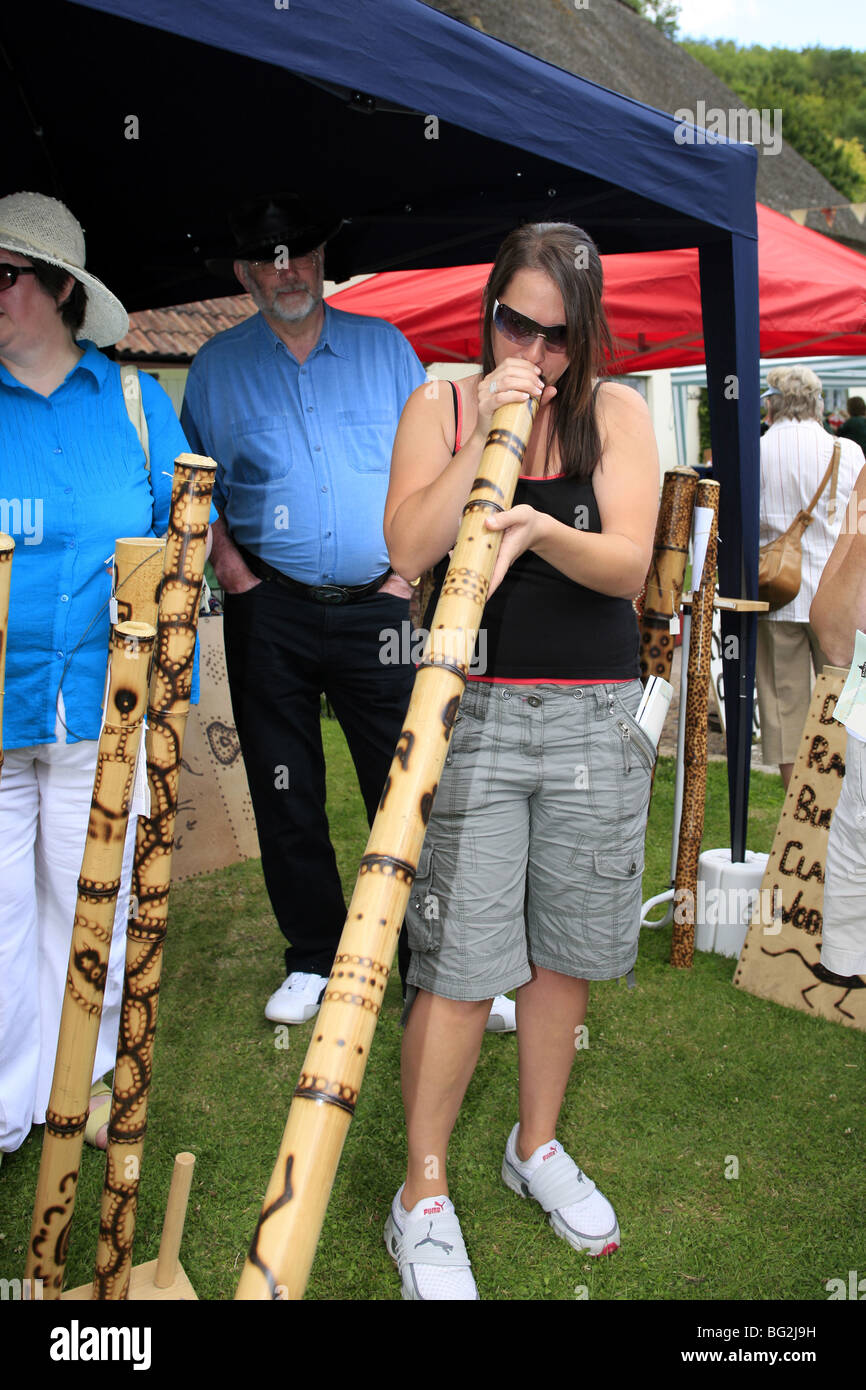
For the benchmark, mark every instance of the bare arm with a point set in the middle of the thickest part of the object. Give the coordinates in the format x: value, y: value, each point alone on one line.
x: 626, y: 485
x: 839, y: 607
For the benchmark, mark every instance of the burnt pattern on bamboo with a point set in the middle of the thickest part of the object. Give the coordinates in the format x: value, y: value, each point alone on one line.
x: 282, y: 1197
x: 92, y: 932
x: 170, y: 686
x: 664, y: 583
x: 695, y: 751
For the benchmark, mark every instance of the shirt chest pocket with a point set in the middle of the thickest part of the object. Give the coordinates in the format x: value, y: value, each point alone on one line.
x: 367, y: 438
x: 262, y: 449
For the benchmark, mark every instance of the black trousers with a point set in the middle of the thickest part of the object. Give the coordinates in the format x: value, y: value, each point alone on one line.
x: 282, y: 652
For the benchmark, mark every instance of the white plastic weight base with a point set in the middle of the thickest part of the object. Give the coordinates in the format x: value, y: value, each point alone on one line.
x: 726, y: 898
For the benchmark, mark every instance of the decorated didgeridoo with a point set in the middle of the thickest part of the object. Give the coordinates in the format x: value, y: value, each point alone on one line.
x: 7, y: 546
x: 98, y: 885
x: 138, y: 566
x: 664, y: 585
x: 695, y: 771
x: 287, y: 1233
x: 168, y: 706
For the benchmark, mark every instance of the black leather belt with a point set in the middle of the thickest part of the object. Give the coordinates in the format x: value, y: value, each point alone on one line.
x: 315, y: 593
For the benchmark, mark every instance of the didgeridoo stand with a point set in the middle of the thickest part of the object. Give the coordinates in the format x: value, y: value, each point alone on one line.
x: 164, y: 1278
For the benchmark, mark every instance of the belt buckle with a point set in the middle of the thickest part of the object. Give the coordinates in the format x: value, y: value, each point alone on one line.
x: 329, y: 593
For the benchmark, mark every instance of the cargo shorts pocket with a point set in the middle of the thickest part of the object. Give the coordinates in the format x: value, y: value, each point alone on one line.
x: 624, y: 864
x: 636, y: 743
x: 422, y: 910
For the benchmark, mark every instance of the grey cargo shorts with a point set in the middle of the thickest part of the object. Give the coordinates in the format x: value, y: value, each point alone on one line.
x: 535, y: 848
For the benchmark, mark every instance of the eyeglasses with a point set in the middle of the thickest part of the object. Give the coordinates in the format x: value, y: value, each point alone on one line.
x: 9, y: 274
x: 282, y: 261
x: 520, y: 329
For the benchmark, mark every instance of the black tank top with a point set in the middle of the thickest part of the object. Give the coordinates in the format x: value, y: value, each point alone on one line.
x: 539, y: 624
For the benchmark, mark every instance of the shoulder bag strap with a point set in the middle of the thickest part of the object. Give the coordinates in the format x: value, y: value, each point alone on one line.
x: 135, y: 407
x: 832, y: 467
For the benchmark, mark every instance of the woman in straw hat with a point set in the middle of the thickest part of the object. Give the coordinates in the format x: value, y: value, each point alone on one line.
x: 530, y: 873
x: 73, y: 477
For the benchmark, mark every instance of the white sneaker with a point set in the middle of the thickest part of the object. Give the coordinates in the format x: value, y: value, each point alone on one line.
x: 503, y: 1016
x: 298, y: 998
x: 426, y: 1244
x: 576, y: 1209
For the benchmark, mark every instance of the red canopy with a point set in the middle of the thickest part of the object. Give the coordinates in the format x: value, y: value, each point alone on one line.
x: 812, y: 290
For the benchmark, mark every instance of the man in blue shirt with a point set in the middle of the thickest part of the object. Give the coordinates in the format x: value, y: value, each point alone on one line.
x: 299, y: 406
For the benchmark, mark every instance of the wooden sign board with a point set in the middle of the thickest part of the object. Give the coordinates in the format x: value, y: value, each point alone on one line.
x: 215, y: 824
x: 781, y: 956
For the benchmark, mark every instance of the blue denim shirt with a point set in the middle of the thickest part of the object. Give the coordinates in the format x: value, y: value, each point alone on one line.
x: 303, y: 449
x: 73, y: 479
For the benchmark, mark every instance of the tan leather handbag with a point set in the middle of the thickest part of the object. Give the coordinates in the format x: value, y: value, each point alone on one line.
x: 780, y: 564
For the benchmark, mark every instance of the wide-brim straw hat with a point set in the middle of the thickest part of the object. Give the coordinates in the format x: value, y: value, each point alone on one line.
x: 264, y: 225
x: 44, y: 229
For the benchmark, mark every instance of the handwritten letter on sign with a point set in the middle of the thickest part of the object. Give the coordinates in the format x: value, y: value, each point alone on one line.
x: 781, y: 960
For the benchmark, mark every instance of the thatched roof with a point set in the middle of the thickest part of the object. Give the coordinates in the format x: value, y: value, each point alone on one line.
x: 608, y: 43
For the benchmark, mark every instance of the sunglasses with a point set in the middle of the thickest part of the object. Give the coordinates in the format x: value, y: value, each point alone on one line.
x: 305, y: 262
x: 520, y: 329
x: 9, y: 274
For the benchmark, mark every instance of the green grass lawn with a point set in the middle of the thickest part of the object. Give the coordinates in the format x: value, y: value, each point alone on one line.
x: 685, y: 1080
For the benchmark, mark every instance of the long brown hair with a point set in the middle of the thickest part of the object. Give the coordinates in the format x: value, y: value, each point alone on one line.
x: 570, y: 258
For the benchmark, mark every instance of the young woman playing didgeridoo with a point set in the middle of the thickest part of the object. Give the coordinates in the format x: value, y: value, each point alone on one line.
x: 533, y: 856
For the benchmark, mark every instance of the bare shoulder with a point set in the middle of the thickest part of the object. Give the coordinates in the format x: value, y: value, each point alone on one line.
x: 619, y: 404
x: 430, y: 409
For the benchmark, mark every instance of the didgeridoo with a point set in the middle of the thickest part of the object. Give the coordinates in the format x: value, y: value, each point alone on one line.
x: 695, y: 755
x: 98, y: 887
x: 287, y: 1233
x: 168, y: 706
x: 7, y: 547
x: 664, y: 585
x: 138, y: 566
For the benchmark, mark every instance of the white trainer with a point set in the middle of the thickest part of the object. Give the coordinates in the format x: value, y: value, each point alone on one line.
x: 503, y: 1016
x: 426, y: 1244
x: 576, y: 1209
x: 298, y: 998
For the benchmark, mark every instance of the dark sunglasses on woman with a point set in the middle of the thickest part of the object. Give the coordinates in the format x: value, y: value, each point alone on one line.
x: 9, y: 274
x: 520, y: 329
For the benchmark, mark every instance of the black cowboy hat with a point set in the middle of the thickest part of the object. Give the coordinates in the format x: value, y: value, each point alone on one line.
x: 263, y: 225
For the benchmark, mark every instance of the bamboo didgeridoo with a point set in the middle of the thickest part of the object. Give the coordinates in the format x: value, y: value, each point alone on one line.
x: 287, y: 1233
x: 664, y: 585
x: 98, y: 886
x: 7, y: 546
x: 168, y: 706
x: 138, y: 566
x: 695, y: 771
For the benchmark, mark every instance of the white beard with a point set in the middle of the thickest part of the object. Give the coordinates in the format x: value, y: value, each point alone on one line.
x: 275, y: 304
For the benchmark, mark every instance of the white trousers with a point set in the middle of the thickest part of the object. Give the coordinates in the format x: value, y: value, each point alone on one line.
x: 45, y: 795
x: 843, y: 935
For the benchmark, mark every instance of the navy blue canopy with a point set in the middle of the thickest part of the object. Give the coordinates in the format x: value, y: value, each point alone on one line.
x: 430, y: 138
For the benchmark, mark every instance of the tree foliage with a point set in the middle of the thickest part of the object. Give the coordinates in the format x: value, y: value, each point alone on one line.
x: 664, y: 14
x: 819, y: 92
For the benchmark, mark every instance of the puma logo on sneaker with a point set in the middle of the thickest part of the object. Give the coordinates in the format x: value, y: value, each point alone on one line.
x: 437, y: 1210
x: 551, y: 1153
x: 428, y: 1240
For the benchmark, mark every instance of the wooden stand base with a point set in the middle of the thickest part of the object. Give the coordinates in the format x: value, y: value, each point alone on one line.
x: 163, y: 1278
x: 143, y: 1289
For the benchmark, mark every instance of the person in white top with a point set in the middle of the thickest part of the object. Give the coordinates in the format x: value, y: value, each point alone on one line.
x: 838, y: 611
x: 795, y: 453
